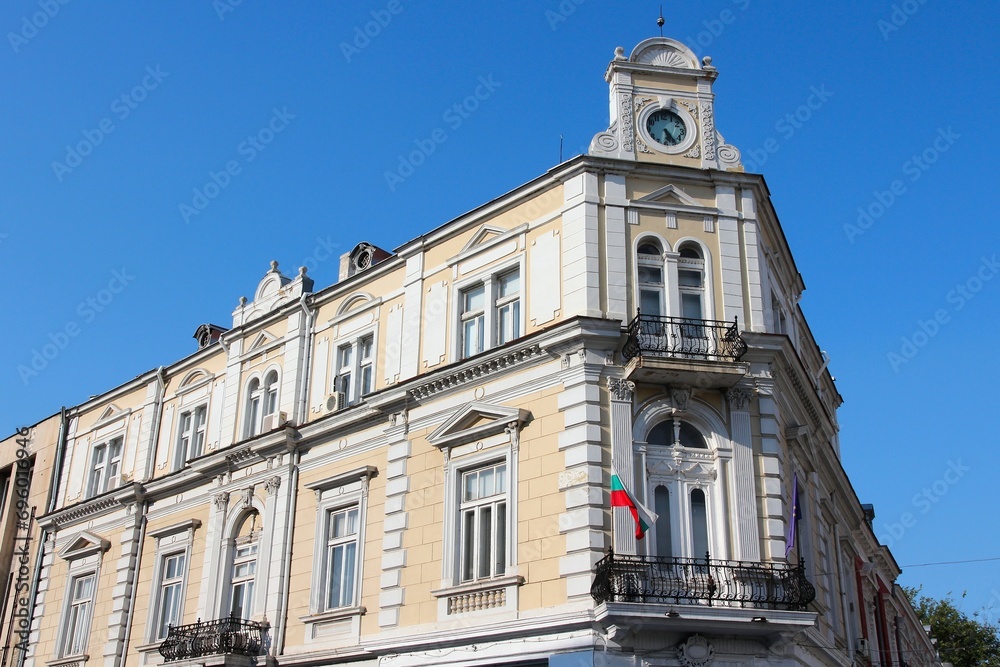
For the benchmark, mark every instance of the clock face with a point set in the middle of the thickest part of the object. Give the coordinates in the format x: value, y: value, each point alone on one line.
x: 666, y: 127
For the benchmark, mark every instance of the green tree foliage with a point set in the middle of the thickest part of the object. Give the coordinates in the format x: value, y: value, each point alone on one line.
x: 962, y: 640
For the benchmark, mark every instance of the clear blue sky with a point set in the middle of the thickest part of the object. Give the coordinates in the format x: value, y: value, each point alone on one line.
x: 922, y: 83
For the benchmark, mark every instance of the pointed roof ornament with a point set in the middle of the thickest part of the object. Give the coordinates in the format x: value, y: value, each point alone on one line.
x: 660, y: 21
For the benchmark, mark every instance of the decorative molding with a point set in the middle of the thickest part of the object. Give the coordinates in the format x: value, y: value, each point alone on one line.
x: 671, y: 220
x: 363, y: 473
x: 709, y: 222
x: 680, y: 397
x: 477, y: 372
x: 86, y: 509
x: 190, y: 525
x: 234, y: 459
x: 643, y: 148
x: 476, y: 420
x: 627, y: 128
x: 695, y: 652
x: 246, y: 497
x: 272, y: 484
x: 83, y: 545
x: 730, y: 155
x: 632, y: 216
x: 708, y: 130
x: 221, y: 501
x: 739, y: 398
x: 621, y: 390
x: 694, y: 153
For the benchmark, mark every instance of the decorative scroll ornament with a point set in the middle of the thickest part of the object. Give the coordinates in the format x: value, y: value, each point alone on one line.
x: 695, y: 152
x: 643, y: 148
x: 605, y: 142
x: 695, y: 652
x: 640, y: 102
x: 221, y: 500
x: 621, y: 390
x: 271, y: 485
x: 729, y: 154
x: 739, y: 398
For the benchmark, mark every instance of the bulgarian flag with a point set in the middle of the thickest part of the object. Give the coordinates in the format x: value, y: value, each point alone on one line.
x: 622, y: 497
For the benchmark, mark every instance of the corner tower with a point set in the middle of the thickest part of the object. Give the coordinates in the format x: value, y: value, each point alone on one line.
x: 663, y: 109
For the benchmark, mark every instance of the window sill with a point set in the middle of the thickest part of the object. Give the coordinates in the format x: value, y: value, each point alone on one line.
x: 152, y: 647
x: 69, y: 660
x: 333, y: 614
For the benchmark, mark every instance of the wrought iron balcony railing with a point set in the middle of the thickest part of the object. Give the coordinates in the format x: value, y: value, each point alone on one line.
x: 702, y: 581
x: 223, y: 636
x: 683, y: 338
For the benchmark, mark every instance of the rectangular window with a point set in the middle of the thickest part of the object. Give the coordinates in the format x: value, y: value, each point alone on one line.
x: 78, y: 612
x: 341, y: 557
x: 105, y: 467
x: 244, y: 573
x: 365, y: 361
x: 490, y: 313
x: 169, y: 601
x: 473, y: 320
x: 508, y: 307
x: 355, y: 372
x: 483, y: 523
x: 190, y: 436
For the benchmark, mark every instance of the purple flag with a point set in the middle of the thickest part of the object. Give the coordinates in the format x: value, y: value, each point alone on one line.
x: 793, y: 524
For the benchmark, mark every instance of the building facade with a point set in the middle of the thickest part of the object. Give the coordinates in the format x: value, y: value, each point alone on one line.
x: 413, y: 466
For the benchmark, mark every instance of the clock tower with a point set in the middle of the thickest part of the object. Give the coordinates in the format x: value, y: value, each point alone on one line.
x: 663, y: 109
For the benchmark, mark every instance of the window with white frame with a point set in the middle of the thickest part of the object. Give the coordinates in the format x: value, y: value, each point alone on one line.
x: 680, y: 480
x: 691, y: 281
x: 261, y: 401
x: 483, y: 522
x: 169, y: 591
x: 340, y: 557
x: 251, y: 418
x: 105, y: 467
x: 243, y: 566
x: 355, y: 371
x: 79, y: 610
x: 190, y: 435
x: 649, y: 269
x: 490, y: 312
x: 340, y: 536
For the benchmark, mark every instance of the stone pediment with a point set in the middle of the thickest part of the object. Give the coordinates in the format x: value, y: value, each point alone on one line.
x: 477, y: 420
x: 483, y: 235
x: 669, y: 194
x: 83, y: 545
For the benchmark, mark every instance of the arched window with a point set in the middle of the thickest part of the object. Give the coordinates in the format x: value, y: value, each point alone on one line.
x: 683, y: 482
x: 676, y: 432
x: 271, y: 393
x: 243, y: 565
x: 251, y: 420
x: 649, y: 269
x: 691, y: 281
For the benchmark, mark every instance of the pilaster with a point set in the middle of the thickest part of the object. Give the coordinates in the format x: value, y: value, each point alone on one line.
x: 397, y: 484
x: 746, y: 543
x: 622, y: 460
x: 772, y: 462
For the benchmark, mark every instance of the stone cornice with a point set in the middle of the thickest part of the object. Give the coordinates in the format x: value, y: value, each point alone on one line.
x: 475, y: 371
x: 129, y: 494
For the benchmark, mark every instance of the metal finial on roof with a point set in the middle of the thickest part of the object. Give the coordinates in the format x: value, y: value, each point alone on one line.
x: 660, y: 21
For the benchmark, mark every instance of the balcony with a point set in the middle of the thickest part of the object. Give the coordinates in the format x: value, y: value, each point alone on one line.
x: 702, y: 581
x: 223, y: 637
x: 648, y: 593
x: 684, y: 351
